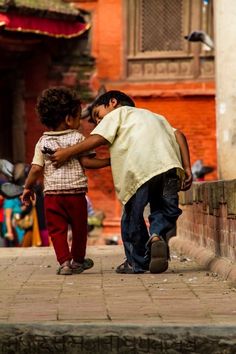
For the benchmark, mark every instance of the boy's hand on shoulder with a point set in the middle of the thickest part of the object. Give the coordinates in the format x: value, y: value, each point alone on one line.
x: 188, y: 179
x: 60, y: 156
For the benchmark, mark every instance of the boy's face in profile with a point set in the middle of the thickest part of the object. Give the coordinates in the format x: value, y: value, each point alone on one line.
x: 99, y: 112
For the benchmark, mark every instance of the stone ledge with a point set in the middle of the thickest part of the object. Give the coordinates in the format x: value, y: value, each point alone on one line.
x: 106, y: 339
x: 206, y: 258
x: 212, y: 195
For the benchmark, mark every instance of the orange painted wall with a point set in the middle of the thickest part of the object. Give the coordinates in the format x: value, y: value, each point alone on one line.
x: 193, y: 115
x: 106, y: 38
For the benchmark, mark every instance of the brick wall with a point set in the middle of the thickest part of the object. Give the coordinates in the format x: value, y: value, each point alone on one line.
x: 209, y: 217
x: 195, y: 116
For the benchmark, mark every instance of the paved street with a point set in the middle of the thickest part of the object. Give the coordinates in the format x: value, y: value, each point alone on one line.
x: 184, y: 310
x: 31, y: 292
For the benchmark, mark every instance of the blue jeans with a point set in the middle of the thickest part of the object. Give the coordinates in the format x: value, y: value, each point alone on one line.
x: 161, y: 192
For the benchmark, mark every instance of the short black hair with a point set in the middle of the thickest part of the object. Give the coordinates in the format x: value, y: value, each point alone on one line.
x: 55, y: 103
x: 121, y: 97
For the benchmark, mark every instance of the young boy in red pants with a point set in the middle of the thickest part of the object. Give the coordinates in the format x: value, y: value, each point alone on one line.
x: 59, y: 110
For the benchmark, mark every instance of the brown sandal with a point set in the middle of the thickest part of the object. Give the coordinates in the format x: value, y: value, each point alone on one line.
x: 124, y: 268
x: 159, y: 256
x: 64, y: 269
x: 78, y: 268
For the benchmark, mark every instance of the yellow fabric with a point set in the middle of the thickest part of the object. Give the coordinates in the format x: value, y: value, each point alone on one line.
x: 36, y: 239
x: 142, y: 145
x: 32, y: 237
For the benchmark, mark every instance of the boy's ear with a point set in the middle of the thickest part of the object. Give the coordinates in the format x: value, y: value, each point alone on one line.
x: 68, y: 120
x: 113, y: 102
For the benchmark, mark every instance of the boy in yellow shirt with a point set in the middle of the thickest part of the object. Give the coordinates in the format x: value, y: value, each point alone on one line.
x: 150, y: 163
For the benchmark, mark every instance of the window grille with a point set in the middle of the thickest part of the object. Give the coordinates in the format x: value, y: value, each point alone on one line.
x: 156, y: 48
x: 161, y: 25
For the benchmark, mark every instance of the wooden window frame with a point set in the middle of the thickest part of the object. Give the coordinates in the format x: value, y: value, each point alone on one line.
x: 190, y: 63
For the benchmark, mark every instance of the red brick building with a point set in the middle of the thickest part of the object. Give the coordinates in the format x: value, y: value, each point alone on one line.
x: 138, y: 46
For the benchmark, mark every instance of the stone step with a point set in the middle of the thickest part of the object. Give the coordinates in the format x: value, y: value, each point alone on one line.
x: 109, y: 338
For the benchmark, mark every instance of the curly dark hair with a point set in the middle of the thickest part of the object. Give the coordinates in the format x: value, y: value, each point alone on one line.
x: 55, y: 103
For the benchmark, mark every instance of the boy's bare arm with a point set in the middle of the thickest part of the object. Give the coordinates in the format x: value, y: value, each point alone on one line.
x: 185, y: 155
x: 93, y: 162
x: 93, y: 141
x: 36, y: 171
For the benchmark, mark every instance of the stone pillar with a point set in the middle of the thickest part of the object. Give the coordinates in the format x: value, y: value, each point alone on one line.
x: 225, y: 55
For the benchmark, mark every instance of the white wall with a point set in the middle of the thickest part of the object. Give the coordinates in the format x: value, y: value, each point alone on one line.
x: 225, y: 56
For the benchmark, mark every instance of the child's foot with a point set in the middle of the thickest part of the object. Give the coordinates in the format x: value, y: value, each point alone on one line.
x: 125, y: 268
x: 64, y: 269
x: 80, y: 267
x: 159, y: 255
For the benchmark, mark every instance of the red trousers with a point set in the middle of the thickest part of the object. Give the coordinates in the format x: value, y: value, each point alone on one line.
x: 62, y: 210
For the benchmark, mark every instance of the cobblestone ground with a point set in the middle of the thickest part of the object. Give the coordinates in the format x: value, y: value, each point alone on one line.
x: 30, y: 291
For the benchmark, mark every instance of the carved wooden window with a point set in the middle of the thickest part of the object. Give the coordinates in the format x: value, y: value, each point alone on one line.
x: 156, y: 46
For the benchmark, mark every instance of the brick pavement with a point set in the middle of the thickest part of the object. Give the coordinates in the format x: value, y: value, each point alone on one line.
x: 186, y: 294
x: 186, y: 310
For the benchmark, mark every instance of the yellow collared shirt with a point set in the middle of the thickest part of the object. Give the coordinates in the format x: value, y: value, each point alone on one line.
x: 142, y: 145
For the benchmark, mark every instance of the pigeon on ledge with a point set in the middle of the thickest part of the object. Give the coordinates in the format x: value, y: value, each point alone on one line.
x: 200, y: 36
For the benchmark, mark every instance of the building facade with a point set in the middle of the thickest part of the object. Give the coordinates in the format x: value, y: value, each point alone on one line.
x: 136, y: 46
